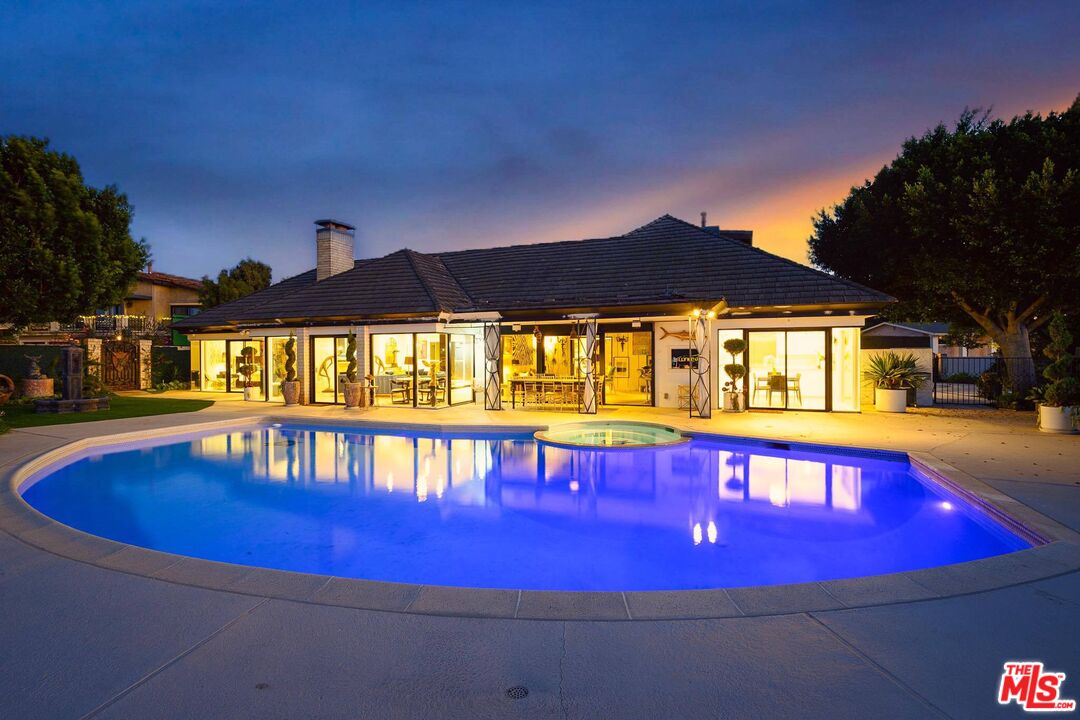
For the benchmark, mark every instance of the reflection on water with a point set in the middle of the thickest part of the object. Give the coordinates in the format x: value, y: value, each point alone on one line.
x: 508, y: 512
x: 519, y: 473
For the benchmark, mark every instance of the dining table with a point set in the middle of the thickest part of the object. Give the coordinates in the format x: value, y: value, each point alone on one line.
x: 518, y: 385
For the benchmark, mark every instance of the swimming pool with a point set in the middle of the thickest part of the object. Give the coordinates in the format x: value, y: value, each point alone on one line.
x: 503, y: 511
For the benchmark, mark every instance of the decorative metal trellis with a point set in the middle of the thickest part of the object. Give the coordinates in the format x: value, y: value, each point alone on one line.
x: 120, y: 364
x: 700, y: 366
x: 492, y: 361
x: 588, y: 367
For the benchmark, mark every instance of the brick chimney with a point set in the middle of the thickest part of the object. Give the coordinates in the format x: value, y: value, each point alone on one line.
x: 333, y: 248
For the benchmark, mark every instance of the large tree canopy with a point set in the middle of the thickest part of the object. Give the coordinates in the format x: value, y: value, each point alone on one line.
x: 65, y: 247
x: 978, y: 224
x: 246, y: 277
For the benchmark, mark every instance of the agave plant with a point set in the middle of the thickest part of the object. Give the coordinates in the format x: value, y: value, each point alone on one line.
x: 893, y: 371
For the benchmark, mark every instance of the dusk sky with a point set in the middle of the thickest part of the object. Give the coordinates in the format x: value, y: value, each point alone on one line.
x: 441, y: 126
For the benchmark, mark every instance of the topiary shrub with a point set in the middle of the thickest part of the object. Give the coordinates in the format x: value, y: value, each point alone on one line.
x: 290, y: 358
x: 1063, y: 388
x: 350, y: 352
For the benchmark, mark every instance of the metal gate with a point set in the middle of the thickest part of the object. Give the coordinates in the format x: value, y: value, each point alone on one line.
x: 120, y: 364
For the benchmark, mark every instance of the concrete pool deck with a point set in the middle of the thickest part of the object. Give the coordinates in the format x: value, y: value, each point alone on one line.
x: 80, y: 639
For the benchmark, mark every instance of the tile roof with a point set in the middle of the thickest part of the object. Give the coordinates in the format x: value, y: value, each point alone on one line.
x: 160, y: 278
x: 665, y: 261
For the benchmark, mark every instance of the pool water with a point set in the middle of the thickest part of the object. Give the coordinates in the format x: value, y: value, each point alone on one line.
x: 508, y: 512
x: 610, y: 435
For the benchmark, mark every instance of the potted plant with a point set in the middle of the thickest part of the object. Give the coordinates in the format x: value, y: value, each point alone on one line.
x: 733, y: 392
x: 892, y: 375
x: 353, y: 390
x: 290, y: 388
x: 246, y: 369
x: 1059, y: 398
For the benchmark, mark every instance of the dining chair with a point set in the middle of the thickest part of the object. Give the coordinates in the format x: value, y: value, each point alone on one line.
x: 795, y: 386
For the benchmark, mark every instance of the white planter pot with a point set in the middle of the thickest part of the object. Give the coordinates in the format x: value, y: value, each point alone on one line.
x: 734, y: 400
x: 1055, y: 419
x: 249, y: 393
x: 890, y: 400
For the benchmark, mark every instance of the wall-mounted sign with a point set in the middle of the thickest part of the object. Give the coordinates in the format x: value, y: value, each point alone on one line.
x: 683, y: 359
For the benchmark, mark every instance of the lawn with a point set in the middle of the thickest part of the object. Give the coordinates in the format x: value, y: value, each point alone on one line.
x: 122, y: 406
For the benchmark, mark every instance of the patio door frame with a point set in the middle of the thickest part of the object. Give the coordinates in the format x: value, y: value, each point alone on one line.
x: 623, y: 328
x: 747, y: 390
x: 228, y: 365
x: 339, y: 398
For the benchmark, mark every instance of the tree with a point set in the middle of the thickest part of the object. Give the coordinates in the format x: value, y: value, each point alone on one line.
x: 246, y: 277
x: 979, y: 225
x: 65, y: 247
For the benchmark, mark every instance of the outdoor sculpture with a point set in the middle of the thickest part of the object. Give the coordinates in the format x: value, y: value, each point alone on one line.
x: 34, y: 370
x: 71, y: 361
x: 36, y: 384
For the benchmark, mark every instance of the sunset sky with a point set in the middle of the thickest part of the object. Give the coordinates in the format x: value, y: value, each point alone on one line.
x: 440, y: 126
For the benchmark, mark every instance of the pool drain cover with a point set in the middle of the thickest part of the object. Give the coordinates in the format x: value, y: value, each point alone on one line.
x: 517, y: 692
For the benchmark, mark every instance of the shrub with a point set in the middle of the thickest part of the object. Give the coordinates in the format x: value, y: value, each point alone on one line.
x: 965, y: 378
x: 1063, y: 388
x: 991, y: 382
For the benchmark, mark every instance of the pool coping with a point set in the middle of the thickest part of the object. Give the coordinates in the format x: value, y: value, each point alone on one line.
x: 1056, y: 552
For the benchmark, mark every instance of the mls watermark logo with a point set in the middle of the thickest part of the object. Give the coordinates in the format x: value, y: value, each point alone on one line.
x: 1032, y: 688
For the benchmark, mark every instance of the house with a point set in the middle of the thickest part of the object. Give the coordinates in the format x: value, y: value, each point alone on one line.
x: 636, y: 319
x: 153, y: 301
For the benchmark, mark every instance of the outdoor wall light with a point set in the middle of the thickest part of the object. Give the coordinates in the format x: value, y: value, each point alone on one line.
x: 636, y: 324
x: 516, y: 327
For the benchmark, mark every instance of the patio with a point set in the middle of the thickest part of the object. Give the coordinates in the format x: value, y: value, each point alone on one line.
x: 83, y: 640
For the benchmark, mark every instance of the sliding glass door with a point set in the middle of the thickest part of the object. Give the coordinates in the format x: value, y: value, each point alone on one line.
x: 328, y: 366
x: 787, y: 369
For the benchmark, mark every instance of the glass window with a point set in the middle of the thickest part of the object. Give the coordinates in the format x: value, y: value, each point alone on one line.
x: 628, y: 368
x: 246, y: 366
x: 431, y: 385
x: 806, y: 370
x: 766, y: 369
x: 277, y: 367
x: 392, y: 364
x: 519, y: 359
x: 845, y: 369
x: 461, y: 368
x: 787, y: 369
x: 213, y: 366
x: 724, y: 358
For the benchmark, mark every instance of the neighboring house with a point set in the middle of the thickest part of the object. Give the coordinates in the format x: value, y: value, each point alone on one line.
x: 937, y: 333
x: 514, y: 324
x: 162, y: 296
x: 154, y: 300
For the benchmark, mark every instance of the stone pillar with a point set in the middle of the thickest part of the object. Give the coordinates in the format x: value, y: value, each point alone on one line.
x: 590, y: 397
x: 302, y: 361
x: 71, y: 362
x: 701, y: 371
x: 362, y: 368
x: 93, y: 358
x: 492, y: 360
x: 146, y: 360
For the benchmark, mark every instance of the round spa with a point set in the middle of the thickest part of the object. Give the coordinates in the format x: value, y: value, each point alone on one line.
x: 611, y: 435
x: 499, y: 509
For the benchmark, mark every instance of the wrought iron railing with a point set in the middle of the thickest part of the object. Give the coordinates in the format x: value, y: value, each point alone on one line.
x: 980, y: 380
x: 105, y: 325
